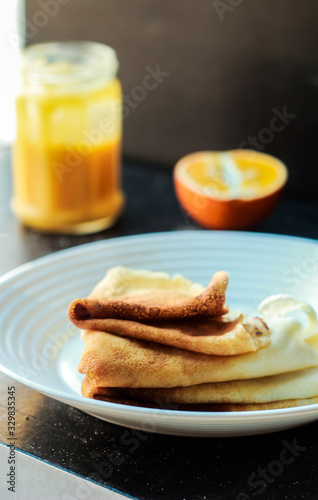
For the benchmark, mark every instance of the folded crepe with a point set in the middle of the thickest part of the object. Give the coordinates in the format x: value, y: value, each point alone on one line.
x: 279, y: 391
x: 144, y: 298
x: 174, y: 312
x: 286, y: 386
x: 114, y: 361
x: 134, y: 361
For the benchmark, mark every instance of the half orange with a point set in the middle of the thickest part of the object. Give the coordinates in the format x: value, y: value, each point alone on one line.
x: 229, y: 189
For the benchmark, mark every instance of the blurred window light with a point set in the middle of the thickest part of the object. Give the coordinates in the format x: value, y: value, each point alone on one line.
x: 11, y: 22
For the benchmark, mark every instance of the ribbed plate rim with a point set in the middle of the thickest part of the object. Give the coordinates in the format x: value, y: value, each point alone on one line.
x: 210, y: 417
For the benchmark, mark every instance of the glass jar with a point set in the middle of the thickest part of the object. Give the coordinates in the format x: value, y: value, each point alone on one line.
x: 67, y: 158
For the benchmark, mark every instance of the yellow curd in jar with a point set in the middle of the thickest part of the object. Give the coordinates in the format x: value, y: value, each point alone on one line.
x: 67, y: 158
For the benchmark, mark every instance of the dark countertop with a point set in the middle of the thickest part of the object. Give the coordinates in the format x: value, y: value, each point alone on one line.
x: 143, y: 465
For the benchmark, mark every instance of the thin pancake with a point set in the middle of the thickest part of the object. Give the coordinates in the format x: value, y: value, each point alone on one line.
x: 146, y: 307
x: 119, y: 397
x: 220, y: 336
x: 294, y: 385
x: 113, y: 361
x: 116, y: 303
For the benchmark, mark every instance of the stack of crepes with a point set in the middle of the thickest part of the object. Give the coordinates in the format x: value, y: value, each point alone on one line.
x: 161, y: 342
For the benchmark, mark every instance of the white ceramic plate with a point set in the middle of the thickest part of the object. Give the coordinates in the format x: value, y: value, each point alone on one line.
x: 40, y: 348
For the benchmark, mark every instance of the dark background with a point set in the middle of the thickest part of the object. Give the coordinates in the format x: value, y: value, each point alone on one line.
x: 230, y: 65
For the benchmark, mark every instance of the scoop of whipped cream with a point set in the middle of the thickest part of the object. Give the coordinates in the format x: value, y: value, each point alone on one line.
x: 286, y: 312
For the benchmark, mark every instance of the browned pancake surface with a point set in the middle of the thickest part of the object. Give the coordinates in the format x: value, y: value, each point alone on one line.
x: 210, y: 303
x: 164, y: 316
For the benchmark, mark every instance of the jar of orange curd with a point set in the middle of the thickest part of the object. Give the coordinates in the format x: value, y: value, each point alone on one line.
x: 67, y: 157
